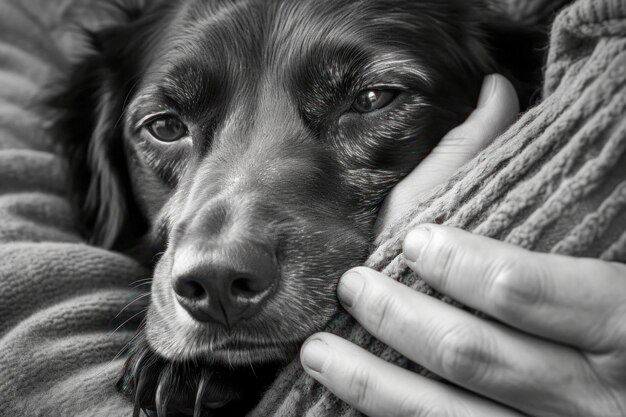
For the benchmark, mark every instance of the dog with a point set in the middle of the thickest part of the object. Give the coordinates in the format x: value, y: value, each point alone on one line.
x: 250, y: 143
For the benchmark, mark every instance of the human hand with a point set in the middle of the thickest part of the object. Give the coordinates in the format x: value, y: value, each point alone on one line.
x: 496, y: 110
x: 557, y: 346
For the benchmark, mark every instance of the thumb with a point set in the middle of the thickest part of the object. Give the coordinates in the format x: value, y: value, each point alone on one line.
x: 496, y: 110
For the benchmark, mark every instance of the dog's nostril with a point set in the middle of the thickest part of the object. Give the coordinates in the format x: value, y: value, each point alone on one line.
x: 245, y: 287
x: 188, y: 287
x: 230, y: 284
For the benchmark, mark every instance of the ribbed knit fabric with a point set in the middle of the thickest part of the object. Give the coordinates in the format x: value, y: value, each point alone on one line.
x: 556, y: 181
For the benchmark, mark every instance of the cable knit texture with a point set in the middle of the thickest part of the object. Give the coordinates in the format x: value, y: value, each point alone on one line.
x: 554, y: 182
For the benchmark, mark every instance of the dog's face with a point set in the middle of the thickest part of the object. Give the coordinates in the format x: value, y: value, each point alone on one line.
x: 258, y: 139
x: 262, y: 138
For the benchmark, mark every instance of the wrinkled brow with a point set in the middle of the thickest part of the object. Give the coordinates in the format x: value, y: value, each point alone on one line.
x: 346, y: 67
x: 184, y: 89
x: 397, y: 64
x: 145, y: 104
x: 191, y: 88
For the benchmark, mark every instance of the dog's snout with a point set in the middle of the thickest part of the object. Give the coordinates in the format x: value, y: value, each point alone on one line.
x: 227, y: 284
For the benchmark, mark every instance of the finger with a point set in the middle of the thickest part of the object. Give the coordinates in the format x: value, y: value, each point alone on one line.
x: 527, y: 373
x: 380, y: 389
x: 574, y: 301
x: 497, y: 109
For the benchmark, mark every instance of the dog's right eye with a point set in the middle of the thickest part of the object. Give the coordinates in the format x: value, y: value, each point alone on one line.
x: 167, y: 129
x: 373, y: 99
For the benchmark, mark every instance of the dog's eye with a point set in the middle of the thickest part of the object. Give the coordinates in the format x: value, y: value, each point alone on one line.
x: 370, y: 100
x: 167, y: 129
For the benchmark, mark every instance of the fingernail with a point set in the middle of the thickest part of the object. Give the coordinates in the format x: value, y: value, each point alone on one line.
x: 414, y: 243
x: 487, y: 90
x: 315, y: 354
x: 349, y: 287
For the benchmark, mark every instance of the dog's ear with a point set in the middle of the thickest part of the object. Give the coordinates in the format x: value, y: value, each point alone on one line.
x: 521, y: 53
x: 493, y: 42
x: 519, y: 49
x: 88, y: 106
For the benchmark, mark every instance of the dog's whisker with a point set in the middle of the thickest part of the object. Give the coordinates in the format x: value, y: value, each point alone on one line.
x: 134, y: 300
x: 140, y: 281
x: 123, y: 349
x: 137, y: 286
x: 142, y: 311
x: 140, y: 284
x: 157, y: 255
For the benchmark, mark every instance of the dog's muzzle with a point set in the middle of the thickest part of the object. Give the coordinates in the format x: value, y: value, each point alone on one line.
x: 222, y: 272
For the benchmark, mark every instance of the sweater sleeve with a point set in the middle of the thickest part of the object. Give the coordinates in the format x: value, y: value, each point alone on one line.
x: 61, y: 301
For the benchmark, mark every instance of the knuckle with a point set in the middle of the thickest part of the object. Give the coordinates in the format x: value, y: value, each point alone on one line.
x: 447, y: 259
x: 384, y: 310
x: 609, y: 403
x: 515, y: 287
x: 360, y: 386
x: 464, y: 352
x: 410, y: 406
x: 593, y: 403
x: 613, y: 335
x: 615, y: 326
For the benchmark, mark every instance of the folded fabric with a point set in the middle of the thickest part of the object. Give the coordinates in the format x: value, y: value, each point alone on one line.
x: 555, y: 181
x: 59, y: 298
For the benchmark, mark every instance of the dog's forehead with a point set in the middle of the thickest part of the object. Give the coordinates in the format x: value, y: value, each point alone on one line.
x: 220, y: 40
x: 270, y: 33
x: 226, y: 51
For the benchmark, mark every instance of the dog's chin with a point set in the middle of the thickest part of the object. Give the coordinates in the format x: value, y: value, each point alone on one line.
x: 231, y: 352
x: 180, y: 338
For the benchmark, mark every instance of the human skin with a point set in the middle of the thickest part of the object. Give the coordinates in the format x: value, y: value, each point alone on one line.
x: 556, y: 343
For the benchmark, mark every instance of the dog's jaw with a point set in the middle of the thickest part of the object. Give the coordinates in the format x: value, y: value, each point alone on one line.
x: 183, y: 339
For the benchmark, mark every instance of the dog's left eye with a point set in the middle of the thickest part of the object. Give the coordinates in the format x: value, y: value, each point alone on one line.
x: 369, y: 100
x: 167, y: 129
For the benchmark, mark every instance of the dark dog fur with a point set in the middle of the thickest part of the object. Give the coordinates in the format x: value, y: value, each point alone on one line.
x: 274, y: 149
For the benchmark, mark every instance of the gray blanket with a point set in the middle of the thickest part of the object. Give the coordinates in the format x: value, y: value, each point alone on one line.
x: 59, y: 298
x: 556, y: 181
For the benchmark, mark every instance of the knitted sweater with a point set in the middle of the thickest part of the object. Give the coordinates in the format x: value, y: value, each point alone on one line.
x: 556, y: 181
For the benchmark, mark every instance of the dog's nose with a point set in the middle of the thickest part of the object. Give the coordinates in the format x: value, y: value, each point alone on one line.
x: 225, y: 284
